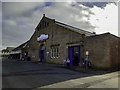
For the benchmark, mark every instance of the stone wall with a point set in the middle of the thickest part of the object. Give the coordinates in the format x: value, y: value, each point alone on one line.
x: 98, y: 48
x: 114, y: 50
x: 103, y: 51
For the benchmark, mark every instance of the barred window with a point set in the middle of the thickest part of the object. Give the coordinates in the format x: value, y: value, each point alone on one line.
x: 54, y: 52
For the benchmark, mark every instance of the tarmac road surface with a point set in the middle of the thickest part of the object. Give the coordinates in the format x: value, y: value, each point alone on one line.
x: 25, y: 74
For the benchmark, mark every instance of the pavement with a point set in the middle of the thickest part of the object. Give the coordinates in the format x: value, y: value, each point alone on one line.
x: 109, y: 80
x: 109, y: 83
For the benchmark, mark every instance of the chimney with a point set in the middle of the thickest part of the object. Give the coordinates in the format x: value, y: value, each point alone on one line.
x: 43, y: 15
x: 94, y: 32
x: 54, y: 20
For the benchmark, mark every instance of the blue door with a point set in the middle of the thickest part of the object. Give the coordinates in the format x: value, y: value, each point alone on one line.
x: 74, y: 55
x: 70, y: 55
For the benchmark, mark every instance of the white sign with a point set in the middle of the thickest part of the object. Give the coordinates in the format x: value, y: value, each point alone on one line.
x: 87, y: 53
x: 42, y: 37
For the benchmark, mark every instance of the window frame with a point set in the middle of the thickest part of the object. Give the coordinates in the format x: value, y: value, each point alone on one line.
x: 55, y: 52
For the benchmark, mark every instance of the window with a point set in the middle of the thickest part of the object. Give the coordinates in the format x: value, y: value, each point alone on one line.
x: 57, y: 52
x: 52, y: 56
x: 47, y: 24
x: 40, y: 26
x: 54, y: 52
x: 43, y: 24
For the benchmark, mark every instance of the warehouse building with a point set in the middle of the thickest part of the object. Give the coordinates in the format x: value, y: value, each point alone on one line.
x: 67, y: 42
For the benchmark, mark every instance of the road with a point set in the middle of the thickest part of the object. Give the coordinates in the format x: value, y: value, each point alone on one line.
x: 25, y: 74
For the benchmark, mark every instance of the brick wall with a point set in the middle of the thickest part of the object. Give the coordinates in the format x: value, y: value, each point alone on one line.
x: 103, y: 51
x: 98, y: 48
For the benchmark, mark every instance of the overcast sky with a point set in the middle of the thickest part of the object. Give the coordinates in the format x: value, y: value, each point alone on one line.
x: 19, y: 19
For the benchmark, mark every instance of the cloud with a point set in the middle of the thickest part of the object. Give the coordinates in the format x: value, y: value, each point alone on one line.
x: 104, y: 20
x: 18, y: 8
x: 15, y: 33
x: 59, y: 1
x: 71, y: 14
x: 119, y: 19
x: 25, y: 0
x: 0, y: 25
x: 18, y: 25
x: 21, y: 18
x: 97, y: 4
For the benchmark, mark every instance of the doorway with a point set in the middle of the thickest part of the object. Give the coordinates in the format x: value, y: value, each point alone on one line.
x: 74, y: 55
